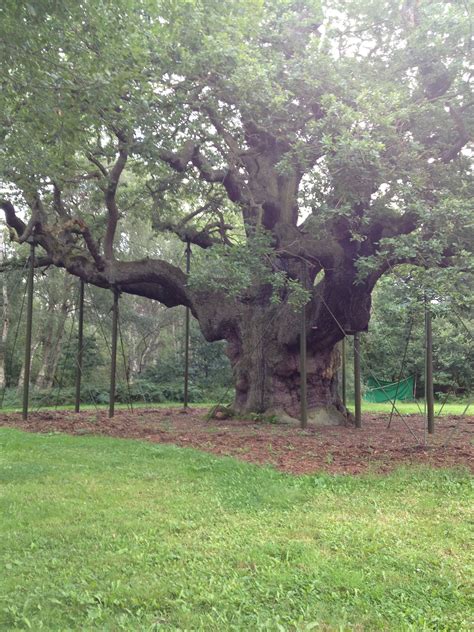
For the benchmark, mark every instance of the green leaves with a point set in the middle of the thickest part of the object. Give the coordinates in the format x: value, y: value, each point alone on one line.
x: 239, y: 271
x: 356, y: 111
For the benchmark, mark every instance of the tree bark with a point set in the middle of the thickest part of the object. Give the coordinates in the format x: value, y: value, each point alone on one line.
x: 51, y: 343
x: 267, y: 376
x: 263, y: 338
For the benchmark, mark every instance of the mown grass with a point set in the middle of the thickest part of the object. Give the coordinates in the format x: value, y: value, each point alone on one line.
x: 110, y: 534
x: 412, y: 408
x: 405, y: 408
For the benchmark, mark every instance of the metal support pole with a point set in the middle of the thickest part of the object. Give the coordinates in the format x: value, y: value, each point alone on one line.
x: 303, y: 366
x: 29, y: 329
x: 343, y: 363
x: 80, y: 347
x: 186, y: 334
x: 357, y: 389
x: 303, y: 391
x: 429, y: 392
x: 113, y: 361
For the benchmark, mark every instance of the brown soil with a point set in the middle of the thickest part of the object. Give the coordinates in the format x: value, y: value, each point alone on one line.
x: 330, y: 449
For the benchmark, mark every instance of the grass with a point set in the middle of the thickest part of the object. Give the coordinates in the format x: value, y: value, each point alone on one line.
x: 108, y: 534
x: 118, y: 406
x: 412, y: 408
x: 405, y: 408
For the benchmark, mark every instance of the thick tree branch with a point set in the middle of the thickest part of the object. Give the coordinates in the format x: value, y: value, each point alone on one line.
x: 190, y: 154
x: 198, y: 237
x: 391, y: 225
x: 110, y: 201
x: 20, y: 264
x: 13, y: 221
x: 179, y: 160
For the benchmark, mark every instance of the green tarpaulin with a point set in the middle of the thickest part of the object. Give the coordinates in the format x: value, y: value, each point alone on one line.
x: 382, y: 391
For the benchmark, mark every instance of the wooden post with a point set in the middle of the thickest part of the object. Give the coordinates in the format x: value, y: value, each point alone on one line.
x: 80, y: 346
x: 113, y: 362
x: 303, y: 373
x: 186, y: 334
x: 303, y: 367
x: 429, y: 393
x: 343, y: 363
x: 29, y: 329
x: 357, y: 389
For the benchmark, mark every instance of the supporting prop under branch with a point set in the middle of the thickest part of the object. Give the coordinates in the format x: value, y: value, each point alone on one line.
x: 429, y: 391
x: 80, y: 347
x: 343, y: 365
x: 186, y: 334
x: 357, y: 387
x: 29, y: 329
x: 113, y: 359
x: 303, y: 370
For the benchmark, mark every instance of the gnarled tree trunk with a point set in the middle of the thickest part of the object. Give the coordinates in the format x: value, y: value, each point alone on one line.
x: 267, y: 376
x: 264, y: 350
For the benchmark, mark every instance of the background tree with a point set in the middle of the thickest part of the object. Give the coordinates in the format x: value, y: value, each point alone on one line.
x: 304, y: 149
x: 398, y: 312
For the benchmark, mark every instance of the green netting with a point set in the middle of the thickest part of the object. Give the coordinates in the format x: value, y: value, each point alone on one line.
x: 382, y: 391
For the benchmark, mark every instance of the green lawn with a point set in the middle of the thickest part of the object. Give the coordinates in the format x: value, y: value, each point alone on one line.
x: 405, y: 408
x: 107, y: 534
x: 412, y: 408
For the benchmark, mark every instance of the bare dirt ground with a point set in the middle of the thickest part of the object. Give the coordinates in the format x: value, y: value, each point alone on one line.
x: 348, y: 450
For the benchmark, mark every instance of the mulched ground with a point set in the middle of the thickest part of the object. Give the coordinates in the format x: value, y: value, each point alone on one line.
x: 330, y: 449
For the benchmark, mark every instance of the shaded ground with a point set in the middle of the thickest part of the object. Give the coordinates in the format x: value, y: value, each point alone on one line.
x: 338, y: 450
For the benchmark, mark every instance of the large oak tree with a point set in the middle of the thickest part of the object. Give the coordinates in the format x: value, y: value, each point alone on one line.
x: 302, y: 149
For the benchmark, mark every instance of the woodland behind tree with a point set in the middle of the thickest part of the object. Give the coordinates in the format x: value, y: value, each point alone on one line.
x: 304, y: 150
x: 151, y: 366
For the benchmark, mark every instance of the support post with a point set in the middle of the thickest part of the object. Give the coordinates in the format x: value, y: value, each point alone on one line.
x: 113, y: 360
x: 29, y: 329
x: 343, y: 363
x: 80, y: 347
x: 303, y: 366
x: 186, y: 334
x: 357, y: 389
x: 429, y: 392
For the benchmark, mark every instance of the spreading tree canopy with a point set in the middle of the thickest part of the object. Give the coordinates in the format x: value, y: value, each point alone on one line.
x: 302, y: 149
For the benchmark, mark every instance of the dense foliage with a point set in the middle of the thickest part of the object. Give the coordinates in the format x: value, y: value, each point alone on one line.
x: 304, y: 149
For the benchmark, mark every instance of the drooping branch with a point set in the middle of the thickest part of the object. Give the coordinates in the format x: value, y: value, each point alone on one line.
x: 13, y: 221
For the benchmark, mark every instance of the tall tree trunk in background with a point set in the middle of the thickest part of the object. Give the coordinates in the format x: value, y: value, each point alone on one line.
x: 52, y: 347
x: 46, y: 344
x: 55, y: 354
x: 21, y: 377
